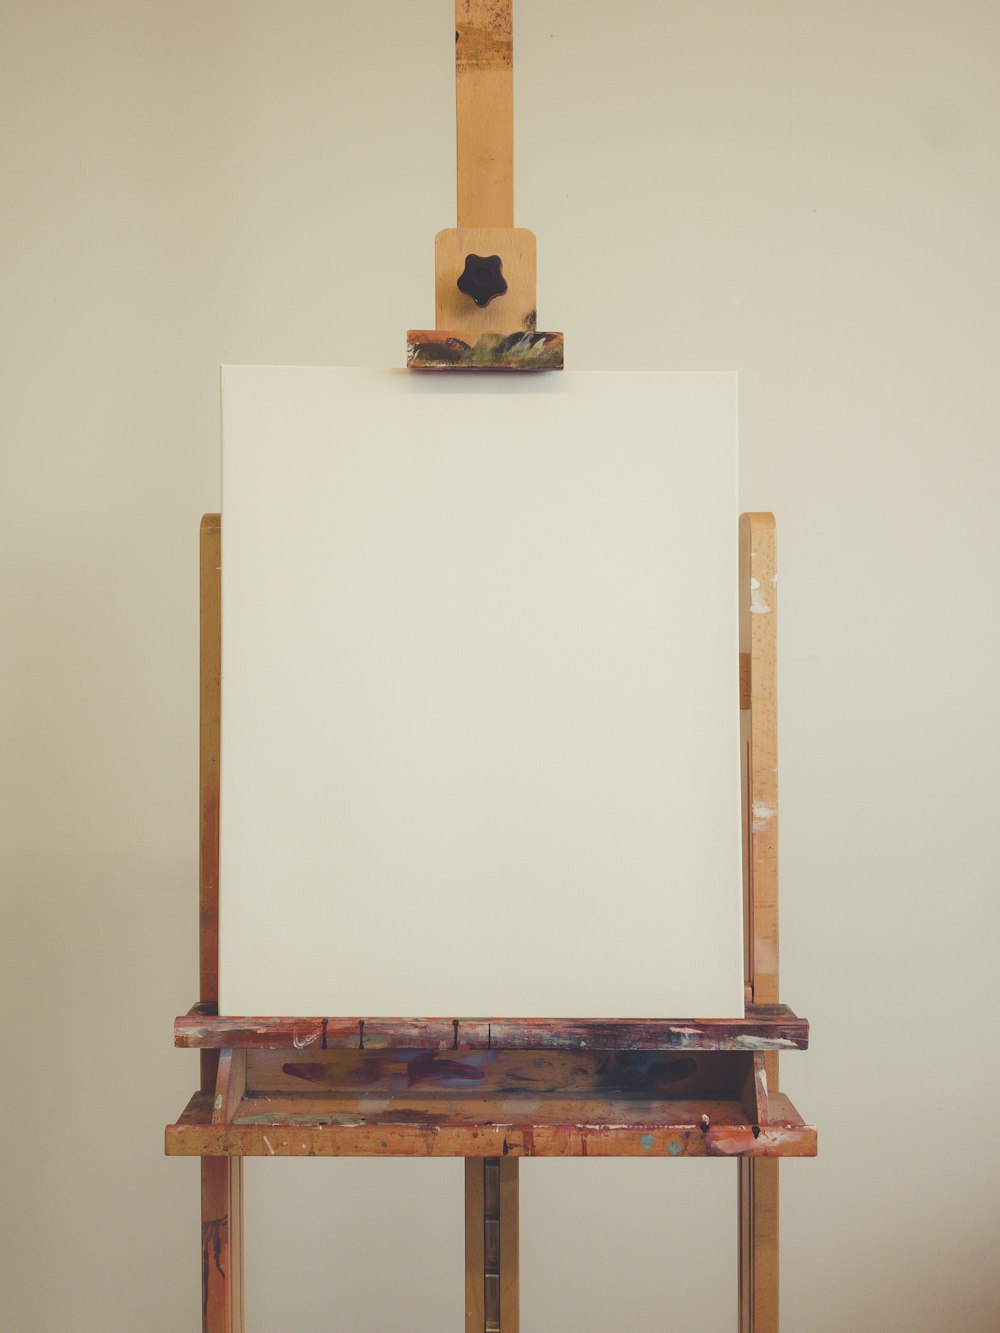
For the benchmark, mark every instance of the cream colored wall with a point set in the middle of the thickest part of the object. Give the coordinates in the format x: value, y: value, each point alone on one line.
x: 806, y: 192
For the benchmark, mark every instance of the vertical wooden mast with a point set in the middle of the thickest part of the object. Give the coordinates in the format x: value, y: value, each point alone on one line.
x: 485, y: 318
x: 484, y: 104
x: 484, y: 114
x: 758, y: 1178
x: 221, y: 1177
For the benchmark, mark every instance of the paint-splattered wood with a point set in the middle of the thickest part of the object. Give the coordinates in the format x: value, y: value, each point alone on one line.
x: 432, y: 1125
x: 446, y: 1090
x: 230, y: 1084
x: 221, y: 1244
x: 484, y: 103
x: 765, y: 1027
x: 754, y: 1089
x: 456, y: 349
x: 644, y: 1074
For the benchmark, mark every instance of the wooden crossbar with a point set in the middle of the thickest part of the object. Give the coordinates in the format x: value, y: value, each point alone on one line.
x: 770, y: 1027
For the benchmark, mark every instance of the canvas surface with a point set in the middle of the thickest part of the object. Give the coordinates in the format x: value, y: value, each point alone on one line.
x: 480, y: 724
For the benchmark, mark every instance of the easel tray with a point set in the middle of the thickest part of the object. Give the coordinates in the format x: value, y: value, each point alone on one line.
x: 765, y: 1027
x: 462, y: 1102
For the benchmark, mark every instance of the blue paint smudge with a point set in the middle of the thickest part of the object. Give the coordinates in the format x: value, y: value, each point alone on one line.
x: 673, y: 1149
x: 646, y: 1141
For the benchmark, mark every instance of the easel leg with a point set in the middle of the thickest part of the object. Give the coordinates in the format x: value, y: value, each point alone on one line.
x: 758, y: 1207
x: 492, y: 1275
x: 222, y: 1244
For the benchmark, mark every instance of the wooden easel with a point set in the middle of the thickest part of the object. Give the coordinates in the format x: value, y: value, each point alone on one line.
x: 368, y: 1086
x: 299, y: 1086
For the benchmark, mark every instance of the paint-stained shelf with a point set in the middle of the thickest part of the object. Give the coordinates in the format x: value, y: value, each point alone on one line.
x: 460, y: 349
x: 764, y: 1027
x: 489, y: 1103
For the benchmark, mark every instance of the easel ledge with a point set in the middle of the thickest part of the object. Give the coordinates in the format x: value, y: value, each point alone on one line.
x: 765, y: 1027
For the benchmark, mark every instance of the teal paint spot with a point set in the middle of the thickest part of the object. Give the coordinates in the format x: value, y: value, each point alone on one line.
x: 646, y: 1141
x: 674, y: 1149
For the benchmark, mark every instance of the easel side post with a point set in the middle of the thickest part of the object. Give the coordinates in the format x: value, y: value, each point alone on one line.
x: 221, y: 1177
x: 484, y: 116
x: 758, y: 1177
x: 484, y: 112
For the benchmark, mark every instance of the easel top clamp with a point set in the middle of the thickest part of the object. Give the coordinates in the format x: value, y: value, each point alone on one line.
x: 484, y: 269
x: 348, y: 1085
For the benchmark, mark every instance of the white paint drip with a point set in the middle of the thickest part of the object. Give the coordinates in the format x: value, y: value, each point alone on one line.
x: 762, y: 815
x: 778, y: 1134
x: 758, y: 606
x: 267, y: 1143
x: 748, y: 1043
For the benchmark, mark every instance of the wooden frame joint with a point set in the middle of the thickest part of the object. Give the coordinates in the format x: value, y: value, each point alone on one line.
x: 230, y: 1084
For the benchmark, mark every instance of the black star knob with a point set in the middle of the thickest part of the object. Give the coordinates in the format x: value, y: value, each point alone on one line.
x: 482, y: 278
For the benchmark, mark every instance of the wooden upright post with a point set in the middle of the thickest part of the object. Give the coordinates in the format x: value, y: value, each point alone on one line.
x: 222, y: 1244
x: 484, y: 104
x: 221, y: 1177
x: 484, y: 116
x: 485, y: 308
x: 208, y: 775
x: 758, y: 1177
x: 492, y: 1295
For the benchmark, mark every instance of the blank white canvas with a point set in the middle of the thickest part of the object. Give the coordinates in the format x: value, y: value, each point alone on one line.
x: 480, y: 749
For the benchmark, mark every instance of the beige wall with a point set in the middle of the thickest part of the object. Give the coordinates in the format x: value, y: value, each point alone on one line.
x: 806, y: 192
